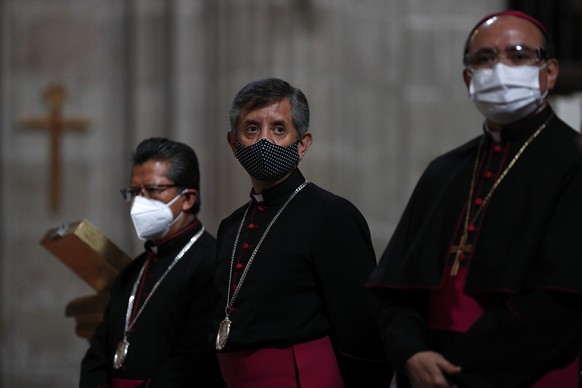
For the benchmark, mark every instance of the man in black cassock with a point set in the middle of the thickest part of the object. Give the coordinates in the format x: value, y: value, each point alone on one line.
x: 292, y: 262
x: 155, y: 329
x: 482, y: 279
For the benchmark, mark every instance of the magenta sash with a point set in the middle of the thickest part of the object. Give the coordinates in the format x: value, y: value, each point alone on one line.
x: 563, y: 377
x: 307, y: 365
x: 123, y: 383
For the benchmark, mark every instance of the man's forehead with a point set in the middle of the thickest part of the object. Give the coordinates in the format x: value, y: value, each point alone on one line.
x: 151, y: 168
x: 516, y: 14
x: 281, y: 106
x: 506, y: 30
x: 256, y: 104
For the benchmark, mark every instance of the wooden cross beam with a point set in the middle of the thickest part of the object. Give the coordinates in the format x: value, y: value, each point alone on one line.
x: 56, y: 124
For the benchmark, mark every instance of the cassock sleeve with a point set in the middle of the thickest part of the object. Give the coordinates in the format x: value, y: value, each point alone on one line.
x: 516, y: 344
x: 343, y: 259
x: 94, y: 366
x: 95, y: 363
x: 404, y: 328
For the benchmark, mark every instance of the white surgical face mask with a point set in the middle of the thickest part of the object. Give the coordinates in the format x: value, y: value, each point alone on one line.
x: 152, y: 218
x: 504, y: 94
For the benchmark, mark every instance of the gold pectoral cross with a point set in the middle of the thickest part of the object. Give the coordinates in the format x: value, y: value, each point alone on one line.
x: 459, y: 251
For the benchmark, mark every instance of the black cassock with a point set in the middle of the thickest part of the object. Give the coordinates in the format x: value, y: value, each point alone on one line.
x: 525, y: 264
x: 306, y: 280
x: 169, y: 341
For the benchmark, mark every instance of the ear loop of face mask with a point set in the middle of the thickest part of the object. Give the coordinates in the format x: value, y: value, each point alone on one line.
x: 181, y: 212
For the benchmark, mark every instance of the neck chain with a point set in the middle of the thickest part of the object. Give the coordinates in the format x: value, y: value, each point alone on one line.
x: 469, y: 223
x: 123, y: 346
x: 224, y: 329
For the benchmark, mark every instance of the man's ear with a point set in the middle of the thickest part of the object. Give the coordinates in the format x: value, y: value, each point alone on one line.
x: 304, y: 144
x: 552, y: 70
x: 190, y: 198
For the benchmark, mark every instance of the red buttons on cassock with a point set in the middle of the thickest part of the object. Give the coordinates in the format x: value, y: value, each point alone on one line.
x: 261, y: 208
x: 239, y: 266
x: 471, y: 228
x: 497, y: 148
x: 478, y: 201
x: 246, y: 246
x: 252, y: 226
x: 487, y: 174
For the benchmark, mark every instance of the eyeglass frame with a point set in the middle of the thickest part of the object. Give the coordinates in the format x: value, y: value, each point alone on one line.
x: 541, y: 54
x: 151, y: 190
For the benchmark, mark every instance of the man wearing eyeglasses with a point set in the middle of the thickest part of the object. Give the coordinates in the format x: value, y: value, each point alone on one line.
x: 482, y: 279
x: 155, y: 329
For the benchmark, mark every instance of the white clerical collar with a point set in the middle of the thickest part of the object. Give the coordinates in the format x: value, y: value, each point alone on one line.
x: 258, y: 197
x: 495, y: 135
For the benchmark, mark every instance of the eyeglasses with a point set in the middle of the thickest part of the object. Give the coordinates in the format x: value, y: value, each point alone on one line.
x: 129, y: 193
x: 518, y: 55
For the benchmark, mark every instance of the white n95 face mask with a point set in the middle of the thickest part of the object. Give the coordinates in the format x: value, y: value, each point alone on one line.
x: 152, y: 218
x: 504, y: 94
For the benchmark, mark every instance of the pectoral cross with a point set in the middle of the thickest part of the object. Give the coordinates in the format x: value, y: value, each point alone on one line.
x: 55, y: 123
x: 459, y: 251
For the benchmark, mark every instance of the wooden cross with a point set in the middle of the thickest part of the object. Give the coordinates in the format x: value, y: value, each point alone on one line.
x: 459, y: 251
x: 55, y: 123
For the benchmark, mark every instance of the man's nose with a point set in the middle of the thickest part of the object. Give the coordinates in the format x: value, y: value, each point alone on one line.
x: 265, y: 133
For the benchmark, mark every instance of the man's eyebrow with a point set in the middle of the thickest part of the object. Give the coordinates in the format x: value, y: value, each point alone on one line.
x: 249, y: 121
x: 280, y: 122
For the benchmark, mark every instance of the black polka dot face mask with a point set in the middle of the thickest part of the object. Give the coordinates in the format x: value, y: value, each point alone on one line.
x: 266, y: 161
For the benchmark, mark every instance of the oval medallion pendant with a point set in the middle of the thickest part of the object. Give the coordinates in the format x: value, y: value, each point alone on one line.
x: 223, y: 332
x: 120, y: 354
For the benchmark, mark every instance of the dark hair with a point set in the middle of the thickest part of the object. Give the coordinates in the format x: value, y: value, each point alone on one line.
x: 266, y: 91
x: 548, y: 44
x: 183, y: 167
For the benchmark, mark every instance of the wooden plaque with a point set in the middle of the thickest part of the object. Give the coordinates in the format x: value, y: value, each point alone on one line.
x: 87, y: 252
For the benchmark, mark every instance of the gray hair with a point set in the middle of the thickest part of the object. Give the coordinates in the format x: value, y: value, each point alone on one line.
x: 266, y: 91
